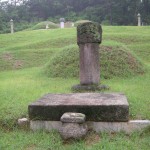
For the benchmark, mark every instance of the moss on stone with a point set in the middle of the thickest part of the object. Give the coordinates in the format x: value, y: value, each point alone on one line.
x: 89, y: 88
x: 89, y: 32
x: 80, y: 22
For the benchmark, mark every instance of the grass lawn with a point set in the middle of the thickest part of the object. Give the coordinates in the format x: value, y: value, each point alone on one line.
x: 22, y: 81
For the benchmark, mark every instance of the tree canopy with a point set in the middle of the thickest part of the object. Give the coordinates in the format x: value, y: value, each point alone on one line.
x: 111, y: 12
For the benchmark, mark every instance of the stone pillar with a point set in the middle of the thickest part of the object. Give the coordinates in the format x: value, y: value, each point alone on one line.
x: 62, y: 23
x: 139, y: 19
x: 47, y: 27
x: 89, y: 36
x: 12, y: 26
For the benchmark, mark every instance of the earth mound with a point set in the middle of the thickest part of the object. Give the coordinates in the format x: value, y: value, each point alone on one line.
x: 42, y: 25
x: 114, y: 62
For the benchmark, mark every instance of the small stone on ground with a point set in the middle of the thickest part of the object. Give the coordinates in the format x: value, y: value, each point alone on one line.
x: 23, y: 122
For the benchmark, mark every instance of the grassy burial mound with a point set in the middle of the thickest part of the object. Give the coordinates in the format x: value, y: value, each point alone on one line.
x: 42, y: 25
x: 115, y: 62
x: 32, y: 48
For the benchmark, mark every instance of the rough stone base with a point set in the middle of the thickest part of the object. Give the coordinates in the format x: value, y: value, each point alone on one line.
x: 89, y: 88
x: 128, y: 127
x: 73, y: 130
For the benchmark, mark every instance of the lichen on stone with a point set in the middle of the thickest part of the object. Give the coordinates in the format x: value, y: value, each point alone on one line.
x: 89, y: 32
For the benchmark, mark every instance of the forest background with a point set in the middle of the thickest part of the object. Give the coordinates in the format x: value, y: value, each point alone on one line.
x: 27, y: 13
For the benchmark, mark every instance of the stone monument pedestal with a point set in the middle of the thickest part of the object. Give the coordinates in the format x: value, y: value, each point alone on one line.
x: 97, y: 107
x: 89, y: 88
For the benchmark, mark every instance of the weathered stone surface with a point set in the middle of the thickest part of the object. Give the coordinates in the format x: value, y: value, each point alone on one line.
x: 62, y: 19
x: 128, y: 127
x: 89, y: 36
x: 73, y: 118
x: 45, y: 125
x: 89, y: 32
x: 139, y: 19
x: 96, y: 106
x: 89, y: 88
x: 23, y: 122
x: 89, y: 64
x: 73, y: 130
x: 12, y: 26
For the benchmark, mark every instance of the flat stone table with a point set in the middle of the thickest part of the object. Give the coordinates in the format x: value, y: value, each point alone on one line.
x: 112, y: 107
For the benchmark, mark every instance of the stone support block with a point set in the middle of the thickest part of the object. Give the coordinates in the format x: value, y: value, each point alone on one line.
x: 127, y: 127
x: 111, y: 107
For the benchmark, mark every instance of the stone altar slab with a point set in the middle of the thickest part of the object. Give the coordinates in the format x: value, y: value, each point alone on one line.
x: 109, y: 107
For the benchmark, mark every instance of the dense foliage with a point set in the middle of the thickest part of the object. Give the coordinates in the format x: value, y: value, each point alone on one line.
x: 110, y: 12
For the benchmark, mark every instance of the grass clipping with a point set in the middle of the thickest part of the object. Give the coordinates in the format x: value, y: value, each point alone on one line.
x: 114, y: 62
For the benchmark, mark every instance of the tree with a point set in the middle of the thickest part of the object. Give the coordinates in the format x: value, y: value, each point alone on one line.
x: 116, y: 12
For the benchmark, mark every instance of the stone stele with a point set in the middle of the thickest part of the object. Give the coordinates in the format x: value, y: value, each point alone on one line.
x: 89, y: 36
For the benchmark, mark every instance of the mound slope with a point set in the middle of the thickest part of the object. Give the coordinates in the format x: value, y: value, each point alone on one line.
x: 42, y: 25
x: 114, y: 62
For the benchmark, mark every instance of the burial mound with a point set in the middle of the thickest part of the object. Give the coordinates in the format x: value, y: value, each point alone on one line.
x: 114, y: 62
x: 42, y: 25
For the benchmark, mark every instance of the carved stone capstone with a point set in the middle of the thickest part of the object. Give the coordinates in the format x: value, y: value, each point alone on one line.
x: 89, y: 32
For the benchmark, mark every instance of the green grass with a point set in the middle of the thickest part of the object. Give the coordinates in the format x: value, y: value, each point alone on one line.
x: 27, y: 140
x: 31, y: 48
x: 42, y: 25
x: 23, y: 83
